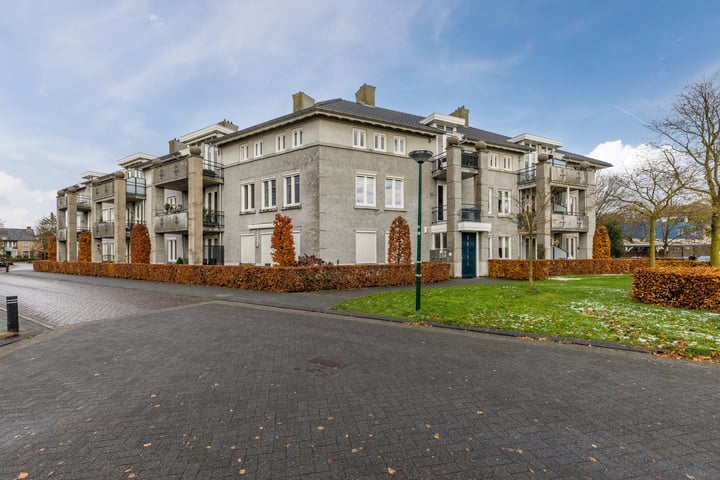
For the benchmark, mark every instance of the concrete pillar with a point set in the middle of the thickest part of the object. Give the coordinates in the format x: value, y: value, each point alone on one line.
x: 61, y: 246
x: 157, y: 206
x: 195, y: 206
x: 585, y: 243
x: 72, y: 243
x: 454, y: 205
x: 119, y: 231
x: 543, y: 200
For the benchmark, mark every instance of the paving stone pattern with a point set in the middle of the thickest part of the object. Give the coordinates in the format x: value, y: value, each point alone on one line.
x: 225, y: 390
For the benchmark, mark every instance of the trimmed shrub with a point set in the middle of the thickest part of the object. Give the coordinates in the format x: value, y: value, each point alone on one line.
x: 601, y: 243
x: 274, y: 279
x: 282, y: 243
x: 52, y: 248
x: 140, y: 244
x: 85, y: 247
x: 518, y: 269
x: 693, y: 288
x: 399, y: 251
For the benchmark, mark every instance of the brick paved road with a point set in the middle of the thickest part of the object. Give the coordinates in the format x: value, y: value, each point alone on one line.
x: 225, y: 390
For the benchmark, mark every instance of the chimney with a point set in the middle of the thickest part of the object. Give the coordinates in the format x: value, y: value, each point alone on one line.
x: 366, y: 95
x: 302, y: 101
x: 176, y: 145
x: 464, y: 113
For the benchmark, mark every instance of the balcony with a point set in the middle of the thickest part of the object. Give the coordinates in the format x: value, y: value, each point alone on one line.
x: 62, y: 234
x: 212, y: 172
x: 526, y: 175
x: 468, y: 165
x: 174, y: 172
x: 468, y: 213
x: 175, y: 220
x: 568, y: 176
x: 62, y: 202
x: 131, y: 223
x: 213, y: 220
x: 104, y: 191
x: 103, y: 229
x: 569, y: 222
x: 83, y: 202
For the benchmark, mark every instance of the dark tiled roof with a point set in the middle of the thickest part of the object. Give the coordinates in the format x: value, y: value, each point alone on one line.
x: 491, y: 138
x: 18, y: 234
x: 362, y: 111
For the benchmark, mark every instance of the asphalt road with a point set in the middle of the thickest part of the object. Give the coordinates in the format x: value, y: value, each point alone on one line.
x: 194, y: 383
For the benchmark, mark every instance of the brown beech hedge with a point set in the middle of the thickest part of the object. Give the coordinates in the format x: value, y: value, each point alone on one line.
x: 273, y: 279
x: 542, y: 269
x: 693, y: 288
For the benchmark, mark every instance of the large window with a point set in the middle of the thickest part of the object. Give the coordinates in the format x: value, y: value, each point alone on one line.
x: 492, y: 160
x: 359, y: 138
x: 365, y: 190
x: 269, y: 199
x: 394, y: 193
x: 258, y: 148
x: 244, y: 153
x: 379, y: 141
x: 503, y: 202
x: 504, y: 247
x: 172, y: 251
x: 507, y: 163
x: 292, y: 190
x: 248, y: 197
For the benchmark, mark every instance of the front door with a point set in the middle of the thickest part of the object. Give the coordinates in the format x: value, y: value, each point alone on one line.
x: 469, y: 255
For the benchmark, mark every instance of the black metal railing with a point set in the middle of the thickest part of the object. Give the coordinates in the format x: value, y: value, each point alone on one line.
x: 213, y: 218
x: 214, y: 255
x: 212, y: 168
x: 527, y: 175
x: 439, y: 214
x: 135, y: 186
x: 470, y: 213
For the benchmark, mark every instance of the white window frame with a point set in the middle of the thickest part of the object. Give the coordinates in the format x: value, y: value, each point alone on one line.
x: 399, y: 145
x: 247, y: 197
x: 297, y: 138
x: 244, y: 152
x: 504, y: 202
x: 391, y: 193
x: 507, y: 162
x: 268, y: 194
x: 493, y: 161
x: 291, y: 190
x: 172, y: 253
x: 359, y: 138
x: 281, y: 142
x: 379, y: 141
x: 490, y: 201
x: 259, y: 148
x: 504, y: 246
x: 365, y: 189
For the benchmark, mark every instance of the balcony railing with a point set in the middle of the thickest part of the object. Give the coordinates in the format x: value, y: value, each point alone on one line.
x: 568, y: 175
x: 527, y: 175
x: 213, y: 218
x: 439, y: 215
x: 170, y: 172
x: 108, y: 258
x: 212, y: 169
x: 84, y: 202
x: 568, y: 222
x: 62, y: 234
x: 131, y: 223
x: 135, y: 187
x: 103, y: 229
x: 104, y: 190
x: 467, y: 161
x: 470, y: 213
x: 213, y: 255
x: 175, y: 221
x: 62, y: 202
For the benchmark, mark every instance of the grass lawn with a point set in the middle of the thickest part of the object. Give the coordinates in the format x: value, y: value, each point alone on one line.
x: 595, y: 307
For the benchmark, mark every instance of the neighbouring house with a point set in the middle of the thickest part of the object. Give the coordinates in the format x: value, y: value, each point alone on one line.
x: 341, y: 171
x: 20, y: 243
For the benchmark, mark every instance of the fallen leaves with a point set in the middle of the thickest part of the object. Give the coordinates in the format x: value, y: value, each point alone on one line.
x: 22, y: 475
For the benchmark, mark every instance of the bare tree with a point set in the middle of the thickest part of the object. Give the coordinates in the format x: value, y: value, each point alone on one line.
x: 606, y: 188
x: 531, y: 211
x: 651, y: 191
x: 690, y: 136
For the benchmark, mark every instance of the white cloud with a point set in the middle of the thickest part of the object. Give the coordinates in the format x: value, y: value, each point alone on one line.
x: 623, y: 157
x: 22, y: 206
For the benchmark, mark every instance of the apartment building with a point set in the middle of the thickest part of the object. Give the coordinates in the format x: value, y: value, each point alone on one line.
x: 340, y: 170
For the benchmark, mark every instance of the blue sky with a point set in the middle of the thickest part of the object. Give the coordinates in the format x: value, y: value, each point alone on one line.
x: 86, y: 83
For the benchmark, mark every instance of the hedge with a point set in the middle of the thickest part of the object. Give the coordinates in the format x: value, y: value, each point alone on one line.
x: 691, y: 288
x: 273, y: 279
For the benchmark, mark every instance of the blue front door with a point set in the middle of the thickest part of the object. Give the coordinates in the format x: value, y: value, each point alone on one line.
x: 469, y: 255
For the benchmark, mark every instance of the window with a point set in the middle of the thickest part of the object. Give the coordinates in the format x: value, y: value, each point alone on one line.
x: 365, y: 190
x: 571, y: 247
x: 490, y: 200
x: 439, y: 241
x: 394, y: 193
x: 379, y: 141
x: 358, y: 138
x: 492, y: 160
x: 292, y: 190
x: 248, y: 197
x: 503, y: 247
x: 244, y: 153
x: 258, y: 148
x: 172, y: 251
x: 399, y: 145
x: 280, y: 142
x: 297, y: 137
x: 268, y: 194
x: 507, y: 163
x: 503, y: 202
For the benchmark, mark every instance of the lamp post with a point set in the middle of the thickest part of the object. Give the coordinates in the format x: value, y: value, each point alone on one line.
x: 420, y: 156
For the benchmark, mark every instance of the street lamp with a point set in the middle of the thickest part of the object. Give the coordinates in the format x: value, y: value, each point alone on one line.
x: 420, y: 156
